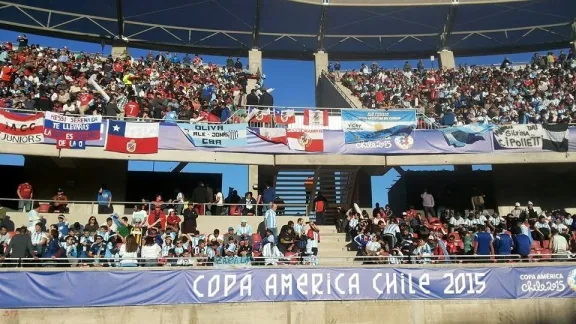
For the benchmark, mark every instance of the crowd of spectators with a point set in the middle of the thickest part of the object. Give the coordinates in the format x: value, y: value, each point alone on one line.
x: 159, y: 233
x: 540, y: 91
x: 158, y: 86
x: 480, y: 235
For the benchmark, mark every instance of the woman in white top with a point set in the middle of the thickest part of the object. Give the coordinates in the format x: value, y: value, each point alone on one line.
x: 129, y: 252
x: 151, y: 252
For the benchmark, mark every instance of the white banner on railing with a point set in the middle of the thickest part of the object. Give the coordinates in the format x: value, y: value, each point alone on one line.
x: 519, y: 136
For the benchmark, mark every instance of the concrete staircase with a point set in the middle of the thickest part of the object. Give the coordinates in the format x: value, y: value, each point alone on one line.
x: 352, y: 99
x: 333, y: 249
x: 336, y: 184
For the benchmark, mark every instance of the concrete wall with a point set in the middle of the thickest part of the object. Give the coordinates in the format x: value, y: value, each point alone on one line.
x: 547, y: 186
x: 80, y: 178
x: 328, y: 96
x: 528, y: 311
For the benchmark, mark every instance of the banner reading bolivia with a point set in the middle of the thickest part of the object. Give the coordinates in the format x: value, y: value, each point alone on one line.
x: 371, y: 125
x: 215, y: 135
x: 519, y: 136
x: 61, y: 127
x: 21, y: 129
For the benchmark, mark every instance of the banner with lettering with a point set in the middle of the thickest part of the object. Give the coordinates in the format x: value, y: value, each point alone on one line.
x: 371, y: 125
x: 18, y: 128
x: 20, y: 289
x: 72, y: 128
x: 519, y: 136
x: 215, y: 135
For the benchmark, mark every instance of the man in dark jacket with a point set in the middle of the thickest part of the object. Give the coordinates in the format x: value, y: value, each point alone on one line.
x: 21, y: 244
x: 111, y: 109
x: 252, y: 98
x: 200, y: 196
x: 190, y: 215
x: 266, y: 99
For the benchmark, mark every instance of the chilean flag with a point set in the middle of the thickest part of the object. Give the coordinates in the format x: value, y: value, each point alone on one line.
x: 259, y: 115
x: 132, y: 138
x: 315, y: 117
x: 305, y: 140
x: 272, y: 135
x: 284, y: 116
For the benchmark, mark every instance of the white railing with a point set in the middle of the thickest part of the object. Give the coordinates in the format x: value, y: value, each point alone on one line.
x: 46, y: 203
x: 295, y: 260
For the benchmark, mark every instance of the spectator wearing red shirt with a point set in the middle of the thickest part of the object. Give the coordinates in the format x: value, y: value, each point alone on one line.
x: 132, y: 109
x: 173, y: 221
x: 25, y: 194
x: 157, y: 218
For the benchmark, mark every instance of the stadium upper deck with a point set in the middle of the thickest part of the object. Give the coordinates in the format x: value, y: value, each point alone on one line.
x: 366, y: 29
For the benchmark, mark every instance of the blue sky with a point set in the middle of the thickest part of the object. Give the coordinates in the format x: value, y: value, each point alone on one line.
x: 293, y: 82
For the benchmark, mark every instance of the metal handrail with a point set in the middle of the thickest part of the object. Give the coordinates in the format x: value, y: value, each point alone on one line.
x: 296, y: 260
x: 151, y: 204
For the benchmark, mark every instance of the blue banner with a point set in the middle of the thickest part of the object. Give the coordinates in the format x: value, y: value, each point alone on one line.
x: 32, y: 289
x: 460, y: 136
x: 62, y: 127
x: 215, y: 135
x: 370, y: 125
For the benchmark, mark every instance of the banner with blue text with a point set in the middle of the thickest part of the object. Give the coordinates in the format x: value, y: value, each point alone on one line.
x: 20, y: 289
x: 371, y: 125
x: 215, y: 135
x: 72, y: 128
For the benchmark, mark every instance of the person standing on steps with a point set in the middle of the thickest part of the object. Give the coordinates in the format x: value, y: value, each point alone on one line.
x: 320, y: 206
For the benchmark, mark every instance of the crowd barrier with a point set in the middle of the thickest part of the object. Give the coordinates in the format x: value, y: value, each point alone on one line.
x: 20, y: 289
x: 125, y: 207
x: 291, y: 260
x: 320, y: 131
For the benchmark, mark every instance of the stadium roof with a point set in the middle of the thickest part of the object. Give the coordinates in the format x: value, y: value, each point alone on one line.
x: 346, y: 29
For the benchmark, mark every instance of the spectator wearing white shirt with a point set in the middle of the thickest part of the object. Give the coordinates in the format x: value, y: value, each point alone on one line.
x: 373, y: 247
x: 244, y: 228
x: 39, y: 239
x: 541, y: 230
x: 456, y: 222
x: 270, y: 222
x: 129, y: 252
x: 151, y: 252
x: 559, y: 225
x: 558, y: 245
x: 428, y: 204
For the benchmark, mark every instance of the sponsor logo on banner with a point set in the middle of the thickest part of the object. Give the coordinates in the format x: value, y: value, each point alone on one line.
x: 402, y: 141
x: 20, y: 128
x: 215, y: 135
x: 61, y: 127
x: 519, y: 136
x: 370, y: 125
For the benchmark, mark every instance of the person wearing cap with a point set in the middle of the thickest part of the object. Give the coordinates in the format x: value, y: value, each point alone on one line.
x: 230, y: 234
x: 244, y: 228
x: 59, y: 202
x: 517, y: 211
x: 98, y: 249
x: 531, y: 211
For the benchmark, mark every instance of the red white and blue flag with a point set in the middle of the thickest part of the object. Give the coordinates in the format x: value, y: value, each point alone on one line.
x: 272, y: 135
x: 256, y: 115
x: 284, y: 116
x: 132, y: 138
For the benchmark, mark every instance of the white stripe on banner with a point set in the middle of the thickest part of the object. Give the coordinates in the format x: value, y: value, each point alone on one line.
x: 215, y: 135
